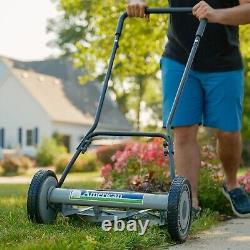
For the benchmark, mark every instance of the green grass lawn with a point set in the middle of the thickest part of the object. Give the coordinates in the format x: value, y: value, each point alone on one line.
x: 16, y: 232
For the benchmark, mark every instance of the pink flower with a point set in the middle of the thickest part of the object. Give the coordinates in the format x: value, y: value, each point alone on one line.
x: 105, y: 170
x: 245, y: 181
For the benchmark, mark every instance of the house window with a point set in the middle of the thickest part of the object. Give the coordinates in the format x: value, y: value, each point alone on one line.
x: 29, y: 137
x: 32, y: 137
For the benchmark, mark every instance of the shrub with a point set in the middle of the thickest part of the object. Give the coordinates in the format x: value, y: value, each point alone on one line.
x: 143, y: 167
x: 1, y: 168
x: 105, y: 153
x: 86, y: 163
x: 210, y: 194
x: 244, y: 181
x: 210, y: 182
x: 16, y: 165
x: 48, y: 151
x: 140, y: 167
x: 61, y: 162
x: 246, y: 154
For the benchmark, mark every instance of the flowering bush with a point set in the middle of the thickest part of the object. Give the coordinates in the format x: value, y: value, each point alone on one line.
x: 16, y: 165
x: 48, y: 151
x: 244, y: 181
x: 86, y: 163
x: 139, y: 167
x: 143, y: 167
x: 105, y: 153
x: 210, y: 160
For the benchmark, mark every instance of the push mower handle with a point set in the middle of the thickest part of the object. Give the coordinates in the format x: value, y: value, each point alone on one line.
x: 171, y: 10
x: 187, y: 10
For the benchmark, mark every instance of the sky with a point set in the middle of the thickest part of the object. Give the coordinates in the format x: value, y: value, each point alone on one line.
x: 23, y: 29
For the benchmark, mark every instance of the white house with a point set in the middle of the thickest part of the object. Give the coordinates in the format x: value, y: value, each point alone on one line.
x: 40, y: 98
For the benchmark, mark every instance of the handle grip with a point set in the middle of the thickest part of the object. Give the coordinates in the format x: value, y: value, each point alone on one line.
x: 171, y: 10
x: 201, y: 28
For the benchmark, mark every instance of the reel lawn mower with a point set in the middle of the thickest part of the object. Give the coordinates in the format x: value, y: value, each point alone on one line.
x: 46, y: 197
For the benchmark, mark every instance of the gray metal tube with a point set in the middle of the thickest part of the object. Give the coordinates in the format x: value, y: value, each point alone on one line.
x: 109, y: 199
x: 198, y: 36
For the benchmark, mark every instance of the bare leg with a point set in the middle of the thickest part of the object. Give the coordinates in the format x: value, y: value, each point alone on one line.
x: 229, y: 148
x: 187, y: 157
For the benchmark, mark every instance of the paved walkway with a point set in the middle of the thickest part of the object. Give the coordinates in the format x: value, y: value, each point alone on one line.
x: 230, y: 235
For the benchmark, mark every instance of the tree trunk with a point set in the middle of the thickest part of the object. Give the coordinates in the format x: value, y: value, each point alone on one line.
x: 141, y: 90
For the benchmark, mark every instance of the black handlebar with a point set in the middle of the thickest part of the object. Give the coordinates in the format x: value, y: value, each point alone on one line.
x: 171, y: 10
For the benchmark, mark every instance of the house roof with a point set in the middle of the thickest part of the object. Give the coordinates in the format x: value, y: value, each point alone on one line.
x: 54, y: 84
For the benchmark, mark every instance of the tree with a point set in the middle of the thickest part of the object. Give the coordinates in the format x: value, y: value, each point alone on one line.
x: 71, y: 25
x: 245, y: 48
x: 86, y: 31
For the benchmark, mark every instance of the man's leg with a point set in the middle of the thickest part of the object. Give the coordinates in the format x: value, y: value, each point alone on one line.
x: 186, y: 119
x: 223, y: 110
x: 187, y: 157
x: 229, y: 149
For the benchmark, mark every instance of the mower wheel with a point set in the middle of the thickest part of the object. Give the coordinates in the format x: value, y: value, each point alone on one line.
x: 38, y: 208
x: 179, y: 209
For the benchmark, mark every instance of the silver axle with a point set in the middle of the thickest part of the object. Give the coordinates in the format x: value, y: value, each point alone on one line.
x: 136, y: 200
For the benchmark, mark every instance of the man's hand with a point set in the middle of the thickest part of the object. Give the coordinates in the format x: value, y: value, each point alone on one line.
x: 136, y: 8
x: 204, y: 11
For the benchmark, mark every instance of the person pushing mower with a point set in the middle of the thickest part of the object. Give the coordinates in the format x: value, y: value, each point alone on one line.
x: 213, y: 94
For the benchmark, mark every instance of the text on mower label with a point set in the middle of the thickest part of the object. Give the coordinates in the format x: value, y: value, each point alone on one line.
x: 88, y: 195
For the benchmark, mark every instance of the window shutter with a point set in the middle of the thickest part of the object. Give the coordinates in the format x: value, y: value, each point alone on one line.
x: 20, y: 136
x: 2, y: 138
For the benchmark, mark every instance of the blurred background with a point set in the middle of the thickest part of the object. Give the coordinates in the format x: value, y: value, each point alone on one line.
x: 53, y: 56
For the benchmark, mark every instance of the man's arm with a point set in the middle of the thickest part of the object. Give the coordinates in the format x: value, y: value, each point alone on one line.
x: 136, y: 8
x: 231, y: 16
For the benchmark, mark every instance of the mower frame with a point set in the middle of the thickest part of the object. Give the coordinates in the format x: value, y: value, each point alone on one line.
x: 46, y: 197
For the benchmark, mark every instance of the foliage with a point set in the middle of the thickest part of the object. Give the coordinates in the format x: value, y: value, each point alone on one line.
x: 143, y: 167
x: 244, y: 181
x: 48, y: 151
x: 207, y: 219
x: 246, y: 152
x: 16, y: 165
x: 86, y: 163
x: 140, y: 167
x: 104, y: 153
x: 81, y: 33
x: 1, y: 169
x: 59, y: 138
x: 245, y: 41
x: 210, y: 195
x: 246, y: 116
x: 61, y: 162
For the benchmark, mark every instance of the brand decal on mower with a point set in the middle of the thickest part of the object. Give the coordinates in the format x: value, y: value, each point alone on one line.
x: 88, y: 195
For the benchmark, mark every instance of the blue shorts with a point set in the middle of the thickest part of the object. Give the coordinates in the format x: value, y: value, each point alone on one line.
x: 212, y: 99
